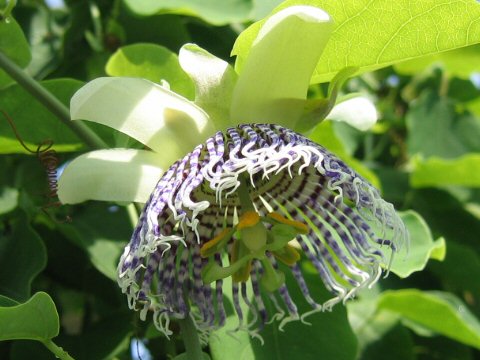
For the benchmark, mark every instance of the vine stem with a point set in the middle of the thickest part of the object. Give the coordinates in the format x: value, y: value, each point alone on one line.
x: 47, y: 99
x: 190, y: 338
x: 57, y: 350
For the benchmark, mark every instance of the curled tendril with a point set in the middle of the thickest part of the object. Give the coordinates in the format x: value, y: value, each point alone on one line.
x: 49, y: 159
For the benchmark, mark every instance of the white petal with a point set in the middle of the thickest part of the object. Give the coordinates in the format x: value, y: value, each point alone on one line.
x: 145, y: 111
x: 277, y: 71
x: 111, y: 175
x: 214, y: 80
x: 358, y: 112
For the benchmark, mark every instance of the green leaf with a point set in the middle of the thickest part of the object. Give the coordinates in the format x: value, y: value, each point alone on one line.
x: 459, y: 63
x: 103, y: 241
x: 422, y: 246
x: 8, y: 199
x: 459, y: 273
x: 152, y: 62
x: 44, y: 35
x: 328, y: 336
x: 184, y: 356
x: 435, y: 129
x: 43, y: 125
x: 440, y: 312
x: 217, y: 12
x: 23, y: 257
x: 6, y: 301
x: 374, y: 34
x: 463, y: 171
x: 13, y: 45
x: 37, y: 319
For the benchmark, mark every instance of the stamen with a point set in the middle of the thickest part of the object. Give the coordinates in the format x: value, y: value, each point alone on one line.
x: 248, y: 219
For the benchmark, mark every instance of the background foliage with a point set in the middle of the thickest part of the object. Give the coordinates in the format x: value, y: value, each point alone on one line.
x: 57, y: 279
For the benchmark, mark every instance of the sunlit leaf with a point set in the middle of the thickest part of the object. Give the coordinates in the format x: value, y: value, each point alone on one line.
x: 440, y: 312
x: 374, y: 34
x: 151, y: 62
x: 216, y: 12
x: 462, y: 171
x: 460, y: 62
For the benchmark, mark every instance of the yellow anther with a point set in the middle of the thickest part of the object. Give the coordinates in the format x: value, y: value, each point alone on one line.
x: 301, y: 227
x: 204, y: 250
x: 248, y: 219
x: 288, y: 255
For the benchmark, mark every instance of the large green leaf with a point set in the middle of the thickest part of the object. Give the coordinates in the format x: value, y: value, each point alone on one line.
x: 152, y: 62
x: 435, y: 129
x: 459, y: 62
x: 463, y: 171
x: 13, y: 45
x: 372, y: 34
x: 422, y: 247
x: 37, y: 319
x: 329, y: 336
x: 440, y: 312
x: 216, y: 12
x: 22, y: 257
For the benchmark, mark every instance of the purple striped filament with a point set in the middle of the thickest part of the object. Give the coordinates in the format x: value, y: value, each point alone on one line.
x: 350, y: 229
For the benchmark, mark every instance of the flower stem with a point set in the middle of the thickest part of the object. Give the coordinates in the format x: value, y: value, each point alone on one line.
x: 57, y: 350
x: 47, y: 99
x: 189, y: 333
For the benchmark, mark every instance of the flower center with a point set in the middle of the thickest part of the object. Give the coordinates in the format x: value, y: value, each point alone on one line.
x: 254, y: 237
